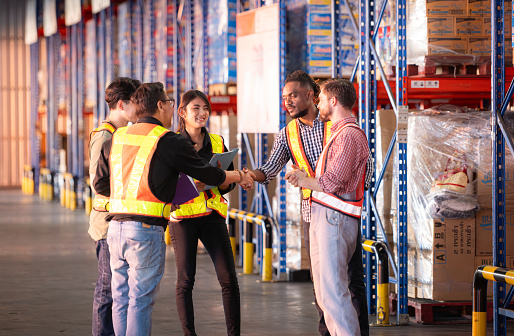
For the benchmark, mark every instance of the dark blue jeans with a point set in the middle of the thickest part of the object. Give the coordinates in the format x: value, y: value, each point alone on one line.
x: 102, y: 301
x: 357, y: 287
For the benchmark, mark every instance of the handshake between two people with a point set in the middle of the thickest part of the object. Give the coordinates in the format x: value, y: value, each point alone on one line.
x: 299, y: 178
x: 246, y: 179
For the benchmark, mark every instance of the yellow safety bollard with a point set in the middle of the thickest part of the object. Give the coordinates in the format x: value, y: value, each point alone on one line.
x: 380, y: 250
x: 88, y: 199
x: 167, y: 237
x: 71, y: 195
x: 267, y: 253
x: 232, y: 235
x: 63, y: 190
x: 30, y: 182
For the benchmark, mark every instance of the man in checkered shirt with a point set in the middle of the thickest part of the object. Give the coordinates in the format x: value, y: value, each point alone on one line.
x: 300, y: 94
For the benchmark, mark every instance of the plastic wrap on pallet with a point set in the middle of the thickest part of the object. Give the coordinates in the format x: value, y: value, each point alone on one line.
x: 443, y: 159
x: 450, y: 163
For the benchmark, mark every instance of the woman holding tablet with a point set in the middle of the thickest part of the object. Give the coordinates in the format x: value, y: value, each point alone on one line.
x: 203, y: 218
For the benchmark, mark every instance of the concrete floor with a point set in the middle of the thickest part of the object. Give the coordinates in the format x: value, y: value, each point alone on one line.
x: 48, y: 272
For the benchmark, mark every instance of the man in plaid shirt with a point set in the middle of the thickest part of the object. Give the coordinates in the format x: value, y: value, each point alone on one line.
x: 303, y: 140
x: 337, y: 198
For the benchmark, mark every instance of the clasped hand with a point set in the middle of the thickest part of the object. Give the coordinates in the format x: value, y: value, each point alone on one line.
x: 248, y: 178
x: 296, y: 176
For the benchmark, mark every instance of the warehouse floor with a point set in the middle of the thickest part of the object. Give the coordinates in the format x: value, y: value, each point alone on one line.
x: 48, y: 271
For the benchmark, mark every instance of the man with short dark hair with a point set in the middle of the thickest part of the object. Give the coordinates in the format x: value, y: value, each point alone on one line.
x: 337, y: 197
x: 302, y: 141
x: 138, y: 170
x: 121, y: 112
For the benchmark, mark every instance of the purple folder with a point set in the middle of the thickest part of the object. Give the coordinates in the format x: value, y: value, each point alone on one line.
x: 185, y: 191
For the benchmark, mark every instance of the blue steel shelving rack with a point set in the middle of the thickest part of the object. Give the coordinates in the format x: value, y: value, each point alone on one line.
x: 261, y: 203
x: 368, y: 62
x: 499, y: 136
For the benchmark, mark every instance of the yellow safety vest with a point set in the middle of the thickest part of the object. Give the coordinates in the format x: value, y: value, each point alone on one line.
x: 294, y: 140
x: 210, y: 199
x: 132, y: 150
x: 100, y: 202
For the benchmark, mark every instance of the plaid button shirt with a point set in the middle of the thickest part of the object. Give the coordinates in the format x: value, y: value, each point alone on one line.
x: 312, y: 140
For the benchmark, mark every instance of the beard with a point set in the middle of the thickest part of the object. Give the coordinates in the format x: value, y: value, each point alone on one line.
x: 299, y: 114
x: 325, y: 115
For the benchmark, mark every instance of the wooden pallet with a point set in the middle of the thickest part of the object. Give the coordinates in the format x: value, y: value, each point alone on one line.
x: 423, y: 311
x: 452, y: 66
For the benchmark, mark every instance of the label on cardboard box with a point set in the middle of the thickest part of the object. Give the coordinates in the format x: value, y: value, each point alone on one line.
x: 447, y: 45
x: 441, y: 26
x: 468, y: 26
x: 452, y: 258
x: 446, y: 7
x: 479, y: 7
x: 484, y: 233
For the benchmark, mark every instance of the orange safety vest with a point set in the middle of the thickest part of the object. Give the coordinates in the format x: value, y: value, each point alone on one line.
x: 349, y: 204
x: 294, y: 140
x: 132, y: 150
x: 207, y: 200
x: 100, y: 202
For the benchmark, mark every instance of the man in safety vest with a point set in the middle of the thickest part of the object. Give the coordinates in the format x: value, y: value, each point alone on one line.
x: 337, y: 196
x: 121, y: 111
x: 138, y: 170
x: 302, y: 141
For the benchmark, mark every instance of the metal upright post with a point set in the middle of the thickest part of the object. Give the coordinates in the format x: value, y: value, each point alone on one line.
x: 81, y: 93
x: 101, y: 47
x: 336, y: 38
x: 34, y: 92
x: 205, y: 36
x: 367, y: 108
x: 281, y: 177
x: 109, y: 48
x: 498, y: 159
x: 401, y: 128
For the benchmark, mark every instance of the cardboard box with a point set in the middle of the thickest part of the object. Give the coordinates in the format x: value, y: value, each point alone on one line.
x: 446, y: 7
x: 469, y: 26
x: 447, y: 45
x: 479, y: 8
x: 480, y: 46
x: 486, y: 25
x: 446, y: 272
x: 484, y: 233
x: 441, y: 26
x: 484, y: 188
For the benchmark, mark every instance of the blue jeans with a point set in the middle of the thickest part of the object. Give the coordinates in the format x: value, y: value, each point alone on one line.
x: 102, y: 300
x: 137, y: 252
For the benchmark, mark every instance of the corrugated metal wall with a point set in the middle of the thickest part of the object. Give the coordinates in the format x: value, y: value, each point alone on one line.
x: 14, y: 94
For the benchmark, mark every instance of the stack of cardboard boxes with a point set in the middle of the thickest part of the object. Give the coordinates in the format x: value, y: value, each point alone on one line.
x: 452, y: 27
x: 442, y: 252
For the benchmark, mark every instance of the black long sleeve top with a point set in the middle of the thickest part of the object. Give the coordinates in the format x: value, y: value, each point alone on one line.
x: 173, y: 154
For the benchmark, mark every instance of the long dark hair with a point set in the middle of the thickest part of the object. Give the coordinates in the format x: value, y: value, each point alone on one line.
x: 186, y: 98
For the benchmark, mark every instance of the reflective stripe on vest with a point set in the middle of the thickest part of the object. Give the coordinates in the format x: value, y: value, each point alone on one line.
x: 100, y: 202
x: 295, y: 143
x: 131, y: 154
x: 200, y: 205
x: 349, y: 204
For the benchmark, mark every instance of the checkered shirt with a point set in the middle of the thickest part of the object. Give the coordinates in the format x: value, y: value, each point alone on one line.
x: 312, y: 139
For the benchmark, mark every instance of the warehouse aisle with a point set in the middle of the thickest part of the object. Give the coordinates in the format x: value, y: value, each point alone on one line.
x: 48, y: 271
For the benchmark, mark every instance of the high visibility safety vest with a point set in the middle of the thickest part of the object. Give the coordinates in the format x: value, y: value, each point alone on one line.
x: 131, y: 153
x: 349, y: 204
x: 100, y: 202
x: 207, y: 200
x: 294, y: 140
